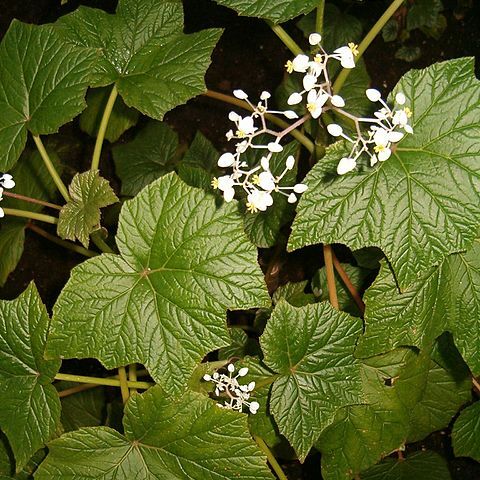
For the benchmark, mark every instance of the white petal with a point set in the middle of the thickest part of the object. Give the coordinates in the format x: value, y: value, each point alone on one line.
x: 230, y: 368
x: 290, y: 114
x: 228, y: 194
x: 254, y: 406
x: 373, y: 160
x: 312, y: 96
x: 400, y: 98
x: 2, y: 213
x: 229, y: 135
x: 408, y: 128
x: 300, y: 188
x: 384, y: 154
x: 265, y: 95
x: 266, y: 181
x: 251, y: 386
x: 242, y: 372
x: 395, y: 137
x: 309, y: 81
x: 241, y: 146
x: 314, y: 39
x: 240, y: 94
x: 334, y: 130
x: 300, y: 63
x: 246, y: 125
x: 265, y: 163
x: 294, y: 99
x: 346, y: 165
x: 207, y: 377
x: 226, y: 160
x: 373, y: 94
x: 338, y: 101
x: 292, y: 198
x: 234, y: 116
x: 274, y: 147
x: 225, y: 182
x: 290, y: 163
x: 381, y: 137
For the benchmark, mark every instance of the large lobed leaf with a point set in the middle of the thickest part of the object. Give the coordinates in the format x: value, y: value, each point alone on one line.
x: 165, y: 438
x: 420, y: 205
x: 43, y: 82
x: 447, y: 297
x: 144, y: 52
x: 312, y: 349
x: 162, y: 302
x: 466, y: 433
x: 30, y: 413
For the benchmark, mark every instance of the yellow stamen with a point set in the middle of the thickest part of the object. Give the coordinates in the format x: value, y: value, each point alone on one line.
x: 379, y: 148
x: 214, y: 183
x: 408, y: 112
x: 318, y: 58
x: 311, y: 107
x: 240, y: 134
x: 289, y: 66
x: 255, y: 179
x: 354, y: 48
x: 251, y: 208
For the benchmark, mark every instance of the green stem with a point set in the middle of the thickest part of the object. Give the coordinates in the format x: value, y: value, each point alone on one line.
x: 304, y: 140
x: 36, y: 201
x: 122, y: 375
x: 365, y: 43
x: 103, y: 128
x: 15, y: 212
x: 132, y: 376
x: 286, y: 39
x: 109, y: 382
x: 96, y: 236
x: 332, y: 289
x: 320, y: 16
x: 270, y: 457
x: 63, y: 243
x: 51, y: 168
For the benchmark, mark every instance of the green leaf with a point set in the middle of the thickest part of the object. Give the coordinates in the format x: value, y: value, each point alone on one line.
x: 30, y: 412
x: 408, y: 53
x: 312, y: 350
x: 294, y: 294
x: 278, y: 12
x: 357, y: 276
x: 418, y: 465
x: 162, y: 302
x: 82, y: 409
x: 466, y: 433
x: 121, y: 119
x: 390, y: 30
x: 42, y: 85
x: 144, y: 51
x: 240, y: 346
x: 421, y: 204
x: 424, y: 13
x: 33, y: 180
x: 263, y: 228
x: 165, y: 437
x: 146, y: 158
x: 340, y: 28
x: 447, y: 297
x: 80, y: 216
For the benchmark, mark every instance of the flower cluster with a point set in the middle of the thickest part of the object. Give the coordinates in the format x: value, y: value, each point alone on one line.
x: 228, y: 385
x: 6, y: 181
x: 258, y: 181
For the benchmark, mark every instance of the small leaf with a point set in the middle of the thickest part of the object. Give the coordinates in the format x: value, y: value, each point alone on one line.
x: 80, y: 216
x: 408, y: 53
x: 43, y: 81
x: 121, y: 119
x: 294, y: 294
x: 421, y: 204
x: 418, y: 465
x: 162, y: 302
x: 312, y: 350
x: 278, y: 12
x: 424, y: 13
x: 144, y: 52
x: 466, y: 433
x: 241, y: 345
x: 165, y: 437
x: 146, y: 158
x: 30, y: 413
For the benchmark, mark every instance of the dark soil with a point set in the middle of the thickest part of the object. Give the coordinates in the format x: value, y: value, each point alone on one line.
x: 249, y: 56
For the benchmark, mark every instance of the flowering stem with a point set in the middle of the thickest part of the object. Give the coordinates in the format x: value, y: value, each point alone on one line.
x: 14, y: 212
x: 348, y: 283
x: 320, y: 16
x: 63, y: 243
x: 109, y: 382
x: 476, y: 384
x: 103, y: 128
x: 51, y: 168
x: 132, y: 376
x: 122, y: 375
x: 332, y: 289
x: 31, y: 200
x: 305, y: 141
x: 76, y: 389
x: 270, y: 457
x: 97, y: 239
x: 286, y: 39
x: 365, y: 43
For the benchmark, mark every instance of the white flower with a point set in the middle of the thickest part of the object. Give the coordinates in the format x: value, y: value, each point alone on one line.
x: 334, y: 130
x: 240, y: 94
x: 259, y: 200
x: 6, y: 181
x: 294, y: 98
x: 314, y: 39
x: 292, y: 198
x: 241, y: 147
x: 300, y: 63
x: 380, y: 137
x: 338, y: 101
x: 346, y: 55
x: 309, y: 81
x: 290, y: 114
x: 346, y: 165
x: 315, y: 102
x: 266, y: 181
x: 245, y: 127
x: 254, y: 406
x: 274, y: 147
x: 225, y: 184
x: 300, y: 188
x: 400, y: 98
x: 226, y: 160
x: 234, y: 116
x: 290, y: 163
x: 373, y: 94
x: 395, y: 137
x: 265, y: 163
x: 265, y: 95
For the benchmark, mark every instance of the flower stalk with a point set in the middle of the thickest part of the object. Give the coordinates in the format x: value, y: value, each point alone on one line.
x: 15, y: 212
x: 270, y: 457
x: 108, y: 382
